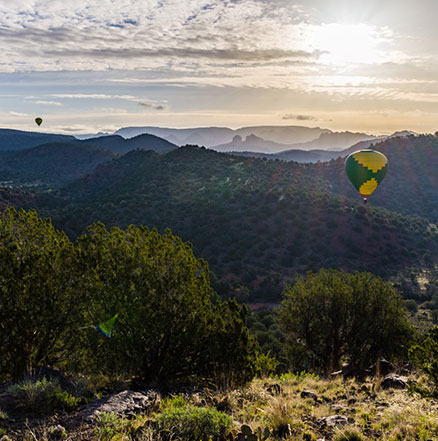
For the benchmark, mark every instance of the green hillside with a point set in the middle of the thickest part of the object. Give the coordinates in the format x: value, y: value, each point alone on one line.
x: 54, y: 163
x: 257, y: 222
x: 411, y: 184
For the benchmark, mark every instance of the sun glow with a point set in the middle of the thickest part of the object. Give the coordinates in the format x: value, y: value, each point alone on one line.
x: 343, y: 44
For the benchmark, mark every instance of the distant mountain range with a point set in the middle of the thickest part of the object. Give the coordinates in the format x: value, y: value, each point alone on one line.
x: 217, y: 136
x: 333, y: 141
x: 300, y: 155
x: 262, y: 139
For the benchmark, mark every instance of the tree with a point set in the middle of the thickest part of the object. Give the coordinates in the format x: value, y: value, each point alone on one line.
x: 170, y: 326
x: 38, y: 295
x: 333, y: 316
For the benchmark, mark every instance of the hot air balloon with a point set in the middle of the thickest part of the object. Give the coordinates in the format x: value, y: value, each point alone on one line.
x: 38, y: 121
x: 366, y: 170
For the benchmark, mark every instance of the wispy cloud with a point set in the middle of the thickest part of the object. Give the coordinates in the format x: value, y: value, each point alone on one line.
x: 290, y: 116
x: 153, y: 106
x: 18, y: 114
x: 48, y: 103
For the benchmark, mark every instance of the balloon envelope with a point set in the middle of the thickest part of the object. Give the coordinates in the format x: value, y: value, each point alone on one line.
x: 38, y: 121
x: 366, y: 170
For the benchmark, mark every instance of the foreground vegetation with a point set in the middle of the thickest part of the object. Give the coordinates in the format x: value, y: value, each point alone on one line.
x: 208, y: 377
x: 291, y: 407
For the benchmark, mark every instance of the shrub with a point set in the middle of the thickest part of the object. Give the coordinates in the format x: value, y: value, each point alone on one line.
x: 333, y: 314
x: 43, y: 397
x: 194, y: 423
x: 170, y: 327
x: 37, y: 272
x: 425, y: 357
x: 109, y: 425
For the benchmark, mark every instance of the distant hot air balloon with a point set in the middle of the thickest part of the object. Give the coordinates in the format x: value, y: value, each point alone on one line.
x: 38, y: 121
x: 366, y: 170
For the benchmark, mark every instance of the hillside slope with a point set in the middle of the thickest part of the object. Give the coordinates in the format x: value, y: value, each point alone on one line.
x: 118, y: 144
x: 20, y: 140
x: 53, y: 163
x: 256, y: 222
x: 411, y: 185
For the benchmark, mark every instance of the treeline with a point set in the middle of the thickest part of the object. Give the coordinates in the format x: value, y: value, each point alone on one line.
x: 171, y: 326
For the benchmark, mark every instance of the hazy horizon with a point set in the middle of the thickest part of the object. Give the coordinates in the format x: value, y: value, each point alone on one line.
x: 94, y: 66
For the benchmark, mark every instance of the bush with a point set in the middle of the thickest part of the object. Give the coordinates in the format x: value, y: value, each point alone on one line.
x: 109, y: 425
x: 43, y: 397
x: 194, y: 423
x: 425, y: 357
x: 39, y: 299
x: 333, y: 315
x: 171, y: 327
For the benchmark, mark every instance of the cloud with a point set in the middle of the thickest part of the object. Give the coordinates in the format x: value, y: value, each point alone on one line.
x: 299, y: 117
x: 18, y: 114
x: 48, y: 103
x: 153, y: 106
x: 94, y: 96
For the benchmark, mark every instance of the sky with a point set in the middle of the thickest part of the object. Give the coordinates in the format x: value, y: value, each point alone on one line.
x: 93, y: 66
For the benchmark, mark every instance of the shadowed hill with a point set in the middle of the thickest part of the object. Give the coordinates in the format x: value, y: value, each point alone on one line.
x: 53, y: 163
x: 20, y: 140
x: 411, y: 184
x: 257, y: 222
x: 118, y: 144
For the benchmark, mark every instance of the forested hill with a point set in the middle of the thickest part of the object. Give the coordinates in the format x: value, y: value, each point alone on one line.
x: 411, y: 184
x: 257, y: 222
x: 117, y: 144
x: 53, y: 163
x: 19, y: 140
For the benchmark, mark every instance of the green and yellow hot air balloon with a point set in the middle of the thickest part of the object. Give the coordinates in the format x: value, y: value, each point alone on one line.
x: 38, y: 121
x: 366, y: 170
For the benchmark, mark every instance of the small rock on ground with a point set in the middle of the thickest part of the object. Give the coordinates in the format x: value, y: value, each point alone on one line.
x: 393, y: 381
x: 123, y: 404
x: 334, y: 420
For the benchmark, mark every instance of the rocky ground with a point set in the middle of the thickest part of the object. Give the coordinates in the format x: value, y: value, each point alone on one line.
x: 294, y: 407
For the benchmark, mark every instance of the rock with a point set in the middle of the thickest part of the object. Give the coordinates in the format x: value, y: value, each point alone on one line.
x: 123, y: 404
x: 309, y: 394
x: 334, y: 420
x: 393, y: 381
x: 274, y: 389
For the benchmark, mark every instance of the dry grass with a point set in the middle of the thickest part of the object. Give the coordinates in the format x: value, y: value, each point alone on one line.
x: 372, y: 413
